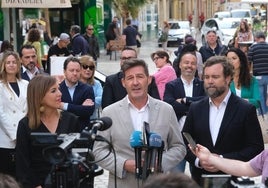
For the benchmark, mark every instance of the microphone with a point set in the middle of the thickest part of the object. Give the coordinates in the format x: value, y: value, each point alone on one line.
x: 160, y: 154
x: 100, y: 124
x: 136, y: 142
x: 155, y: 142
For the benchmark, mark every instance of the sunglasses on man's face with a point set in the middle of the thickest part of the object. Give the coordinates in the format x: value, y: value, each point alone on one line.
x: 91, y: 67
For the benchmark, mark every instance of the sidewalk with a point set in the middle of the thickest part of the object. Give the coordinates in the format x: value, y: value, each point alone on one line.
x: 107, y: 66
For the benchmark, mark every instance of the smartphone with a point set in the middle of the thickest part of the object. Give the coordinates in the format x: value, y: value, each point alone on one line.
x: 190, y: 140
x: 146, y: 133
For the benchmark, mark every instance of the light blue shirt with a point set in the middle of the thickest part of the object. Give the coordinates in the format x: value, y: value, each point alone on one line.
x: 71, y: 90
x: 98, y: 90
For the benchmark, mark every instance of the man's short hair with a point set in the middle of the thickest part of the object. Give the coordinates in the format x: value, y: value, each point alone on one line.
x: 212, y: 31
x: 259, y: 35
x: 25, y: 46
x: 75, y: 28
x: 128, y: 21
x: 68, y: 60
x: 228, y: 69
x: 130, y: 63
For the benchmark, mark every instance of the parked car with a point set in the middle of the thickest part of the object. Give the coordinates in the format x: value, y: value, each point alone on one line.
x: 177, y: 32
x: 224, y: 27
x: 222, y: 14
x: 242, y: 14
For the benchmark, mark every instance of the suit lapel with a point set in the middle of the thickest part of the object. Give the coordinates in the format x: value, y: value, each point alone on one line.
x: 196, y: 87
x: 153, y: 112
x: 124, y: 112
x: 229, y: 113
x: 204, y: 118
x: 180, y: 91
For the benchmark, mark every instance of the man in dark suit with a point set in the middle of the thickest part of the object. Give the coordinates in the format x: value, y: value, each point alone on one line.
x: 113, y: 89
x: 79, y: 44
x: 28, y: 58
x: 181, y: 92
x: 77, y: 97
x: 224, y: 123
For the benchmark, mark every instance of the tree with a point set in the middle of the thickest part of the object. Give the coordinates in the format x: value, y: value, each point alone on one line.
x: 128, y: 8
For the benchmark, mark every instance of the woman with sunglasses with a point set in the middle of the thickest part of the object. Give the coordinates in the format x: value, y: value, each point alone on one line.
x: 87, y: 76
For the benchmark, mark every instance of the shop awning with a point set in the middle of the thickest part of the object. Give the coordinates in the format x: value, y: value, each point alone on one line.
x: 36, y: 4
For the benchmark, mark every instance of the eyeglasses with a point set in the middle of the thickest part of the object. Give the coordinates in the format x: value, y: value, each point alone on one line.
x: 91, y: 67
x: 156, y: 58
x: 126, y: 58
x: 90, y: 29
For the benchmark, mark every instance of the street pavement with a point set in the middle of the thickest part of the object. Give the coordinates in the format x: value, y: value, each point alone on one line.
x: 107, y: 66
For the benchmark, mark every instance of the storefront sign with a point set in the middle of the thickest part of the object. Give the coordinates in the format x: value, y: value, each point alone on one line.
x: 36, y: 4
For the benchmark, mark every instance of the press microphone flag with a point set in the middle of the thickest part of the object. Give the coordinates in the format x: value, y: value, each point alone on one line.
x: 136, y: 142
x: 155, y: 143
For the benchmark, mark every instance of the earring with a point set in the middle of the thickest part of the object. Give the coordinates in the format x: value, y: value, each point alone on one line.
x: 42, y: 109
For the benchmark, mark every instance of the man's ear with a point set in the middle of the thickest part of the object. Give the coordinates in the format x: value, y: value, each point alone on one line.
x: 123, y: 82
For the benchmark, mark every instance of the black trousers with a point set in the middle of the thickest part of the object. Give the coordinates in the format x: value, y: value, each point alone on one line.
x: 8, y: 161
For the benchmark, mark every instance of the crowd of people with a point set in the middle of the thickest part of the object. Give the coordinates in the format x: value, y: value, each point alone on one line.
x: 214, y: 93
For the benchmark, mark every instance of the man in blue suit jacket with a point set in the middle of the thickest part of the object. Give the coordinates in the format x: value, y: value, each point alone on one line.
x: 224, y: 123
x: 181, y: 92
x: 79, y: 44
x: 77, y: 97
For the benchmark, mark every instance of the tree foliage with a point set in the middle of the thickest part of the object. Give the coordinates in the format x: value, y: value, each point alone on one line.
x: 128, y: 8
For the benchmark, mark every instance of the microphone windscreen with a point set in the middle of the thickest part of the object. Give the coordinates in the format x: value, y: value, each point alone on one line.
x: 155, y: 140
x: 136, y: 139
x: 107, y: 123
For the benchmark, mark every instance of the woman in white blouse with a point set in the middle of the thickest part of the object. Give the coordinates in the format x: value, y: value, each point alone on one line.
x: 13, y: 107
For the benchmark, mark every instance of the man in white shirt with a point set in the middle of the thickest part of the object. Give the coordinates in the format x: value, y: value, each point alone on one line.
x: 29, y: 61
x: 224, y: 123
x: 181, y: 92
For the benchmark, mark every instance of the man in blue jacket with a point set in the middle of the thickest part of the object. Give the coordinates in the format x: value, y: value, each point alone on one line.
x: 77, y: 97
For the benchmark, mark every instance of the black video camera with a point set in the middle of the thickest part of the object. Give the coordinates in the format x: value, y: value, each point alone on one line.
x: 71, y: 157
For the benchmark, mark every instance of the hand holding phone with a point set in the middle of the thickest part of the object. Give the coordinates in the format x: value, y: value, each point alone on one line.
x: 190, y: 140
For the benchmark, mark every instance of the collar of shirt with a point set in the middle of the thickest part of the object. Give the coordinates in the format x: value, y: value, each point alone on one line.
x: 138, y: 116
x: 76, y: 35
x: 216, y: 115
x: 185, y: 82
x: 70, y: 87
x: 29, y: 73
x: 225, y: 100
x: 188, y: 87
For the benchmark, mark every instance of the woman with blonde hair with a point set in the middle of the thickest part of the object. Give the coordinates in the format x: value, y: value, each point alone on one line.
x: 87, y: 76
x: 43, y: 115
x: 13, y: 107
